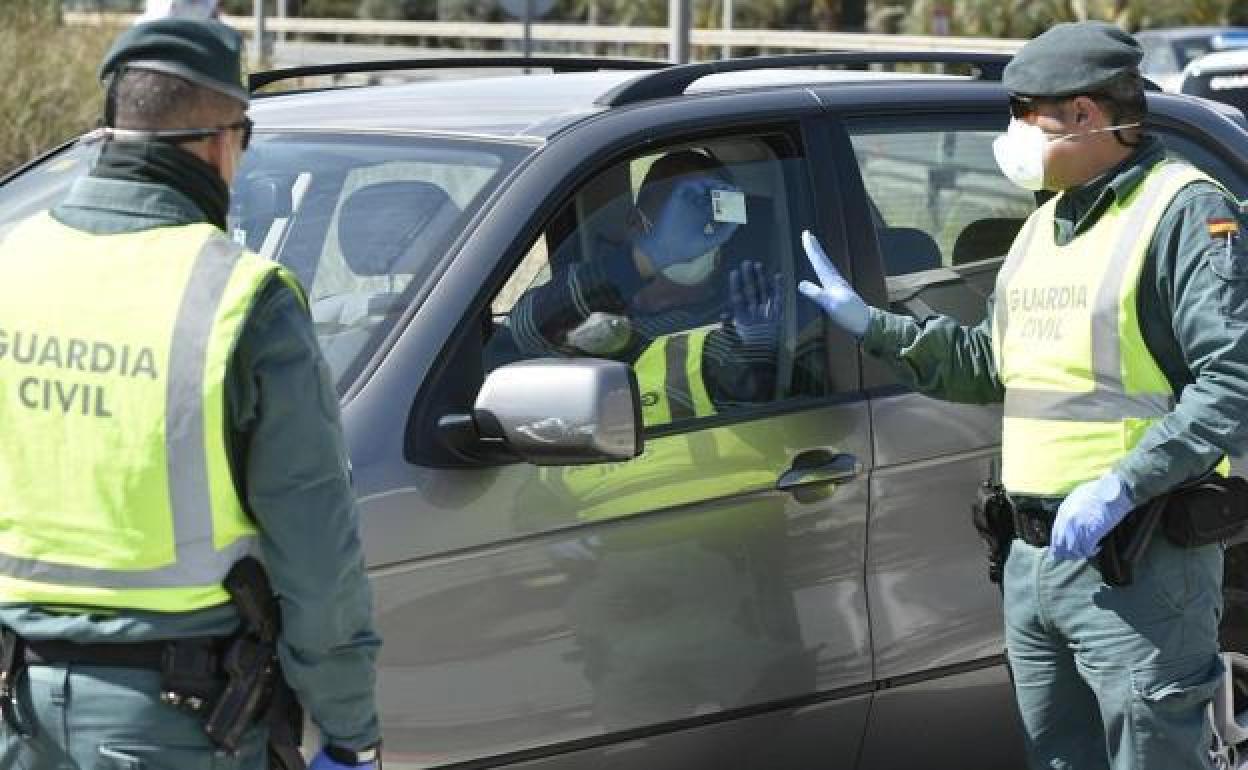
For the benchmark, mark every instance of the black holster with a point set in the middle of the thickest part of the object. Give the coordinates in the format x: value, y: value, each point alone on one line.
x: 1122, y: 548
x: 1202, y: 512
x: 240, y: 685
x: 12, y: 664
x: 1209, y: 510
x: 993, y: 516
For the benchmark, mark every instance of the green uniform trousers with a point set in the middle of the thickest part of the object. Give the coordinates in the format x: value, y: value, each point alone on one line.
x: 1115, y: 677
x: 101, y: 718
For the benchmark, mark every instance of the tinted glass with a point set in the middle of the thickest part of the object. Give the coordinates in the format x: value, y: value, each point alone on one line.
x: 704, y: 336
x: 944, y: 215
x: 360, y: 220
x: 44, y: 185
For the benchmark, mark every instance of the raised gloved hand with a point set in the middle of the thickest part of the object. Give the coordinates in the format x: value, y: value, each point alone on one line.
x: 835, y: 295
x: 757, y: 305
x: 322, y: 761
x: 685, y: 227
x: 1087, y: 514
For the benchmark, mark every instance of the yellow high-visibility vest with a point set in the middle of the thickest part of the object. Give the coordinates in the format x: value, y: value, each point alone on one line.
x: 1081, y: 387
x: 115, y: 486
x: 669, y: 376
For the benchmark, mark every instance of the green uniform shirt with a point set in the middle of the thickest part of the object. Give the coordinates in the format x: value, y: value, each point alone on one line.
x: 288, y: 454
x: 1193, y: 309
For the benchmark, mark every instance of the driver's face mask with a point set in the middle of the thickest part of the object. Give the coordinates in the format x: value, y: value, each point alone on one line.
x: 693, y: 272
x: 1020, y: 151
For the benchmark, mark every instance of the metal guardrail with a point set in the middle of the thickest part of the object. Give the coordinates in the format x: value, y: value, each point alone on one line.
x: 762, y: 39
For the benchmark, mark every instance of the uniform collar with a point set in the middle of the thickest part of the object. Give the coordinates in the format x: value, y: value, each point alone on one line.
x: 1082, y: 206
x: 139, y: 185
x: 144, y: 204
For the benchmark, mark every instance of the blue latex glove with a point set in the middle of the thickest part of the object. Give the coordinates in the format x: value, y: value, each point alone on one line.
x: 322, y: 762
x: 835, y: 295
x: 1087, y: 514
x: 757, y: 305
x: 685, y: 227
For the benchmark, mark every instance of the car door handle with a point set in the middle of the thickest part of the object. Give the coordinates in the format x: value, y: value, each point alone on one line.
x: 819, y: 466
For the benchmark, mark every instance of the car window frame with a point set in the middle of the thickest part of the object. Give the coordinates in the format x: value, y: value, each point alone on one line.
x: 817, y: 216
x: 869, y: 273
x: 450, y: 372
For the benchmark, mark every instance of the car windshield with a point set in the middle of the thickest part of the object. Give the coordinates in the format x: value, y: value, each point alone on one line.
x: 360, y: 219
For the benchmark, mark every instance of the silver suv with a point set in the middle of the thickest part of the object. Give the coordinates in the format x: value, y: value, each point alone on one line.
x: 786, y: 580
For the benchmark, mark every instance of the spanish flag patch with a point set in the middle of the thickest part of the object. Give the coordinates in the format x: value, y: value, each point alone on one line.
x: 1222, y: 226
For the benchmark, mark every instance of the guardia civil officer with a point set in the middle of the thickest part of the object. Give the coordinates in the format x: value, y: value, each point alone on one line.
x: 165, y: 411
x: 1118, y: 342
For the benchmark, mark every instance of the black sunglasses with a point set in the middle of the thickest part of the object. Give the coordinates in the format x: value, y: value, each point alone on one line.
x: 246, y: 125
x: 1025, y: 106
x: 179, y: 135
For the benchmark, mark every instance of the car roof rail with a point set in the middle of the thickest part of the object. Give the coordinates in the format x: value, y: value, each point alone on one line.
x: 673, y: 80
x: 258, y: 80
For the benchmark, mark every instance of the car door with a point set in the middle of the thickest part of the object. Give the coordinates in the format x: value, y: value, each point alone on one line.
x: 699, y: 606
x: 941, y: 219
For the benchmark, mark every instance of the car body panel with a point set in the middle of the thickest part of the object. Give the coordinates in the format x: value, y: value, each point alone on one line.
x: 569, y: 619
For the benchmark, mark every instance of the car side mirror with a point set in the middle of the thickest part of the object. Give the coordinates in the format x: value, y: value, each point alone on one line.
x: 552, y: 411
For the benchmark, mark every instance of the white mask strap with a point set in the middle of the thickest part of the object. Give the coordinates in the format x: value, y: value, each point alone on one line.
x: 1076, y: 134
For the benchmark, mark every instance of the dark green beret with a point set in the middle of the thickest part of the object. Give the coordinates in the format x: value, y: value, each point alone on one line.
x: 1072, y: 58
x: 204, y: 52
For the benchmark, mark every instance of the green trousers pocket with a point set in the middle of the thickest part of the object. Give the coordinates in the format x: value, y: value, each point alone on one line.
x: 1180, y: 684
x: 1169, y: 722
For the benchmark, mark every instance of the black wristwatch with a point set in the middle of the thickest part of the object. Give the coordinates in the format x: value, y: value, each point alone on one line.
x: 354, y: 757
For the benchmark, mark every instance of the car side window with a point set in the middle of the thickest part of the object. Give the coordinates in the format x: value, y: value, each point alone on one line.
x: 680, y: 261
x: 943, y: 214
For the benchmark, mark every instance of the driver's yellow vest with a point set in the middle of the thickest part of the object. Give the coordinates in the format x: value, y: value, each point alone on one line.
x: 115, y: 485
x: 676, y: 469
x: 1081, y: 387
x: 669, y: 377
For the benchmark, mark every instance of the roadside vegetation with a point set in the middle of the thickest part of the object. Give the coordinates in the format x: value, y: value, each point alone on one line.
x: 49, y: 93
x: 994, y: 18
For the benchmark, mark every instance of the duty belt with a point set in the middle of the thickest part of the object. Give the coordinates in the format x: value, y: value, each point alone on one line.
x: 190, y: 669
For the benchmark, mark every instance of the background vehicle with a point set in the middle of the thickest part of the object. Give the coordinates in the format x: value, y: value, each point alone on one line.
x: 1222, y: 76
x: 787, y: 584
x: 1168, y: 50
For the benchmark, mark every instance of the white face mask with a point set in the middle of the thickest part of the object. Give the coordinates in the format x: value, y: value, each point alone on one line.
x: 694, y: 271
x: 1020, y: 151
